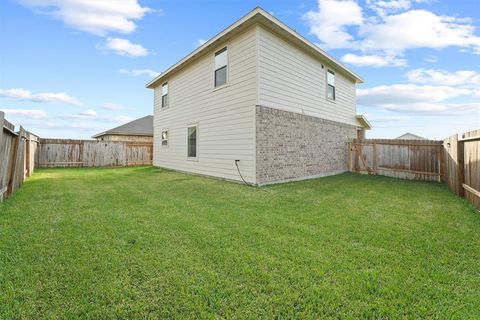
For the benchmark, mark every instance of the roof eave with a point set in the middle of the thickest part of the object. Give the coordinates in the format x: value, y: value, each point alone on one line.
x: 204, y: 46
x: 122, y: 134
x: 249, y: 17
x: 364, y: 122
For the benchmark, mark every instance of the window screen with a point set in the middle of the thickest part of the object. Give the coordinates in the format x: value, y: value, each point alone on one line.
x: 192, y: 142
x: 164, y: 138
x: 221, y: 62
x: 165, y: 95
x: 330, y: 85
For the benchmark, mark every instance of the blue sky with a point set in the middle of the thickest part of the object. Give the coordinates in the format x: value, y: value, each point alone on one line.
x: 74, y: 68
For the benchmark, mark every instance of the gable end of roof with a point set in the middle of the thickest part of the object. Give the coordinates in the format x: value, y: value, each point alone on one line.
x: 257, y: 15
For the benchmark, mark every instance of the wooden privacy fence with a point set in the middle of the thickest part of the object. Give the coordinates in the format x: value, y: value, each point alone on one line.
x: 405, y: 159
x: 462, y: 157
x: 93, y: 153
x: 21, y: 152
x: 17, y: 157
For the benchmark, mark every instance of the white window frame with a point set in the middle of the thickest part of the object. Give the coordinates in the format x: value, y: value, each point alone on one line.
x: 223, y: 48
x: 196, y: 142
x: 166, y: 94
x: 334, y: 86
x: 162, y: 139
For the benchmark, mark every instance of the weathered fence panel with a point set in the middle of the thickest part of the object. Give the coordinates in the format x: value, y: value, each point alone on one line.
x: 93, y: 153
x: 18, y: 174
x: 405, y: 159
x: 453, y: 152
x: 60, y: 153
x: 7, y: 143
x: 17, y: 157
x: 139, y: 154
x: 104, y: 154
x: 470, y: 142
x: 31, y: 153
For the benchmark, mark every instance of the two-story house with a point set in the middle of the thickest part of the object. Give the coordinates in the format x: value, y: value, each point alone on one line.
x: 257, y: 100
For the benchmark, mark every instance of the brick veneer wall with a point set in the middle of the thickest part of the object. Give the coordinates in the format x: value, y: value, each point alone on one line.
x: 293, y: 146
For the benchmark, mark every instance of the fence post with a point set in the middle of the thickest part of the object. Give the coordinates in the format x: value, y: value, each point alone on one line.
x: 349, y: 155
x: 27, y: 155
x: 126, y: 154
x: 13, y: 164
x: 461, y: 167
x: 2, y: 117
x: 18, y: 172
x: 357, y: 152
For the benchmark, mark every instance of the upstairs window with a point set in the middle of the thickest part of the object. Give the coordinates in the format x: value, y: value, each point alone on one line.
x: 330, y: 85
x: 165, y: 95
x: 221, y: 62
x: 192, y: 142
x: 165, y: 138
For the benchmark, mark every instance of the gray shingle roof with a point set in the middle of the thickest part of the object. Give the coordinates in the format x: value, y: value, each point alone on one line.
x: 139, y: 127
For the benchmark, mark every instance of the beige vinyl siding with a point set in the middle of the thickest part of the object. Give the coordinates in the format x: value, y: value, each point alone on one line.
x: 292, y: 80
x: 225, y: 116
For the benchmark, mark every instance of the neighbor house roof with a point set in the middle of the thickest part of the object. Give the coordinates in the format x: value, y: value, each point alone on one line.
x: 140, y: 127
x: 254, y: 16
x: 410, y: 136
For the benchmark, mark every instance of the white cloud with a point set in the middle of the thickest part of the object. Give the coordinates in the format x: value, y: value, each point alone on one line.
x: 26, y: 113
x: 387, y: 118
x: 113, y: 106
x: 373, y: 60
x: 46, y: 97
x: 413, y: 98
x: 470, y: 108
x: 383, y: 8
x: 118, y: 119
x: 92, y: 115
x: 89, y: 113
x: 418, y: 29
x: 331, y: 20
x: 407, y: 93
x: 97, y: 17
x: 431, y: 59
x: 77, y: 116
x: 201, y: 41
x: 124, y: 47
x: 463, y: 78
x: 343, y: 24
x: 139, y: 72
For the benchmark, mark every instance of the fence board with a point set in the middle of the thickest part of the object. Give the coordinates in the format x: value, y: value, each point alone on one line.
x: 93, y: 153
x: 8, y: 140
x: 453, y: 164
x: 18, y: 165
x: 405, y: 159
x: 104, y: 154
x: 471, y: 166
x: 17, y: 157
x: 139, y: 154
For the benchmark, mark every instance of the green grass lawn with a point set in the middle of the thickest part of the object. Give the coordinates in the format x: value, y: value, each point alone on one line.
x: 152, y: 243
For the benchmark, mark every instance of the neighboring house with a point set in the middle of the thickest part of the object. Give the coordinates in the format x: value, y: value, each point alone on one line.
x: 410, y: 136
x: 140, y: 130
x: 260, y: 93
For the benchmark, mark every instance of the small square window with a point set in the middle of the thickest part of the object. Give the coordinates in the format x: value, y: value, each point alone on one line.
x: 164, y: 138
